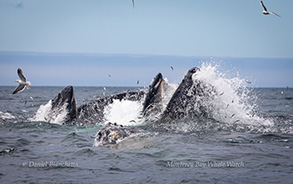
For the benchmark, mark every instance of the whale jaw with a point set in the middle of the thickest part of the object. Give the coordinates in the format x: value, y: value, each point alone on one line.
x: 188, y: 101
x: 59, y: 110
x: 65, y: 100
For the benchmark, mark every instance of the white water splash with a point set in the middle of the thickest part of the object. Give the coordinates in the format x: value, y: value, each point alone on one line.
x: 233, y: 102
x: 229, y: 104
x: 46, y: 114
x: 42, y: 113
x: 6, y: 115
x: 124, y: 112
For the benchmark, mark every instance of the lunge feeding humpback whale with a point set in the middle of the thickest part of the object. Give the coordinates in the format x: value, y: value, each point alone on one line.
x: 187, y: 102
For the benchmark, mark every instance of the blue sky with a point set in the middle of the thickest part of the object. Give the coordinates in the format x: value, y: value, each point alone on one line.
x: 180, y: 28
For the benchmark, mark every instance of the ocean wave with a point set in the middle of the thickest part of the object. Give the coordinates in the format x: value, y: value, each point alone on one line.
x: 6, y: 115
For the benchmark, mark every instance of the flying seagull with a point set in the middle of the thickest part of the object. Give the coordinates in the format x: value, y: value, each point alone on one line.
x: 248, y: 82
x: 22, y: 82
x: 172, y: 68
x: 266, y: 12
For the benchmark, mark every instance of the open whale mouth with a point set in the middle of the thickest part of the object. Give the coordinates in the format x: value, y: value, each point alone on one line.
x: 154, y: 93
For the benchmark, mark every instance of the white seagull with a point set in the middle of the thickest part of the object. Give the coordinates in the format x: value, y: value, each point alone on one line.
x: 22, y: 82
x: 266, y: 12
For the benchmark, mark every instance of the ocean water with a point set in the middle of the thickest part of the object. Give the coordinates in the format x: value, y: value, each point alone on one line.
x: 251, y: 141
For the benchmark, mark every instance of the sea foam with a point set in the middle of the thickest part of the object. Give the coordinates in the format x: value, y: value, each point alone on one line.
x: 6, y: 115
x: 46, y: 114
x: 124, y: 112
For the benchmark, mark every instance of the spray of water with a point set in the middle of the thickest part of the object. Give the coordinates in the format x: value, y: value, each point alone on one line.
x: 229, y: 103
x: 124, y: 112
x: 231, y: 107
x: 46, y: 114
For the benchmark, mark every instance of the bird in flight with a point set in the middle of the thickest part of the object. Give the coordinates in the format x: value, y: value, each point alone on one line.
x: 22, y: 82
x: 266, y: 12
x: 133, y: 3
x: 248, y: 82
